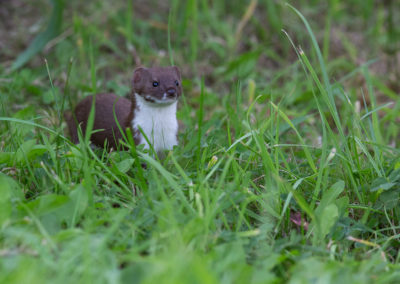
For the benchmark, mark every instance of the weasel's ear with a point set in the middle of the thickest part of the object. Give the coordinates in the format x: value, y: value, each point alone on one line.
x: 138, y: 74
x: 178, y: 72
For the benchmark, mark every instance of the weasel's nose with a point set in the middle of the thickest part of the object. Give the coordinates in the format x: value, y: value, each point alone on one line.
x: 171, y: 92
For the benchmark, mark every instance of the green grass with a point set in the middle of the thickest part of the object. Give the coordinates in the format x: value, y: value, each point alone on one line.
x: 287, y: 170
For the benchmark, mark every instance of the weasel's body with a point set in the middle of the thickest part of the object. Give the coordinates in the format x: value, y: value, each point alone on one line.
x: 152, y: 109
x: 103, y: 119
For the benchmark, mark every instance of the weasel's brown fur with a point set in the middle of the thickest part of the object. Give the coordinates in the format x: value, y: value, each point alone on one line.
x: 104, y: 121
x: 105, y: 126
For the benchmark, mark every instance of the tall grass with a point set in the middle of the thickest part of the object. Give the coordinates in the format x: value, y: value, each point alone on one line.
x: 286, y: 171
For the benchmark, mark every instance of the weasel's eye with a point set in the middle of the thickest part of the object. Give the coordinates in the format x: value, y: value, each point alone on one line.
x: 155, y: 84
x: 176, y: 83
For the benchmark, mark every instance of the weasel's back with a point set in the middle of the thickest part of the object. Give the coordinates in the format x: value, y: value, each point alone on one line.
x: 106, y: 126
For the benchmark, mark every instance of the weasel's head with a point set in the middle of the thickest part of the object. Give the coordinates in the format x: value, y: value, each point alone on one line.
x: 158, y: 86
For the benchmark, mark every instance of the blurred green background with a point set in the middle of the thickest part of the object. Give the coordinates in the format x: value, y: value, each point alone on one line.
x: 217, y: 40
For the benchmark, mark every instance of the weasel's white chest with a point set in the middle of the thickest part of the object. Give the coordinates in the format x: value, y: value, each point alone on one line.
x: 159, y: 124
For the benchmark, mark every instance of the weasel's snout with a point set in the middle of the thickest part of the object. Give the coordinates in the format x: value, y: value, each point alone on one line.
x: 171, y: 93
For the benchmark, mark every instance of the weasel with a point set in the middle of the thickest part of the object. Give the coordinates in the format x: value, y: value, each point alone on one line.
x: 152, y: 108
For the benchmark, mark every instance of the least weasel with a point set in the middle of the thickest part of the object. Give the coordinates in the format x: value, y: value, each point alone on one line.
x: 151, y: 110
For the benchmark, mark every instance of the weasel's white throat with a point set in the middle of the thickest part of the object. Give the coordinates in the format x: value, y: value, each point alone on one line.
x: 158, y: 123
